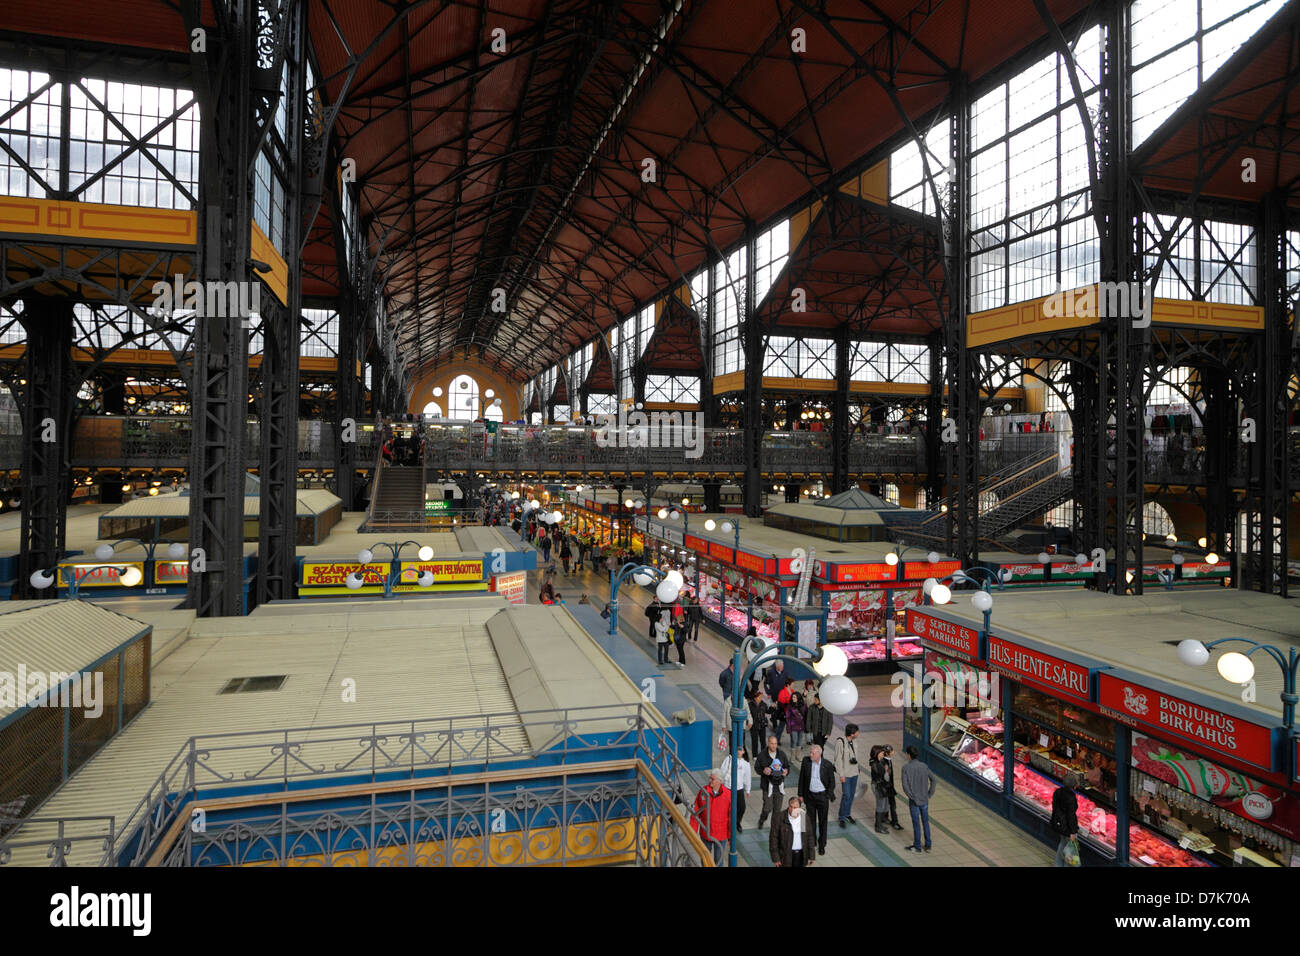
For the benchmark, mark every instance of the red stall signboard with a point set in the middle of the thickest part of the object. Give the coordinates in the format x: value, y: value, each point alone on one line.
x: 720, y: 551
x: 1045, y: 669
x: 1133, y: 703
x: 960, y: 640
x: 697, y: 544
x: 751, y: 562
x: 862, y: 572
x: 920, y: 570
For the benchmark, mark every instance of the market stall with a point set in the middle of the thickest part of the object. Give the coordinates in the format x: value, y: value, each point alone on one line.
x: 1186, y: 778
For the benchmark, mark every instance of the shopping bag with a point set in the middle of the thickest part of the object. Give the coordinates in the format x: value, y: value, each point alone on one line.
x: 1071, y: 854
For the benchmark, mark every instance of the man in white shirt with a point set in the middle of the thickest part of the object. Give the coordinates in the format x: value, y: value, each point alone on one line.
x: 817, y: 788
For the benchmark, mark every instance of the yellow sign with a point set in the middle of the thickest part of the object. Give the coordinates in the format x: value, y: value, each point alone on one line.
x: 98, y: 575
x: 443, y: 571
x: 335, y: 573
x: 171, y: 572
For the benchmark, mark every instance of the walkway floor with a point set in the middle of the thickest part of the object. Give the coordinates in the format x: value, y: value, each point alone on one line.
x: 963, y: 832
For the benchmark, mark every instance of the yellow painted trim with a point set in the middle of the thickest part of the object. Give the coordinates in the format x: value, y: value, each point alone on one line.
x: 1219, y: 315
x: 97, y: 221
x: 875, y: 183
x: 162, y: 359
x: 731, y: 382
x: 781, y: 383
x: 683, y: 294
x: 277, y: 280
x: 669, y: 407
x: 1015, y: 321
x: 801, y: 221
x: 1027, y: 318
x: 872, y: 185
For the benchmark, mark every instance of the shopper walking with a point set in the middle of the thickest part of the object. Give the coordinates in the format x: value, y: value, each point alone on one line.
x: 844, y: 755
x: 652, y: 615
x: 918, y: 785
x: 891, y: 789
x: 679, y: 639
x: 580, y: 545
x: 817, y: 789
x: 757, y: 721
x: 744, y: 782
x: 712, y: 816
x: 694, y: 618
x: 727, y: 681
x: 661, y: 638
x: 819, y: 723
x: 544, y: 543
x: 776, y: 718
x: 775, y: 680
x: 1065, y: 819
x: 772, y: 766
x: 794, y: 722
x: 566, y: 553
x: 788, y: 842
x: 879, y: 788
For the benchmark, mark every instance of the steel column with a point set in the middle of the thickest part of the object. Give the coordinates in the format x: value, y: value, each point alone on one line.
x: 934, y: 471
x: 963, y: 364
x: 228, y: 149
x: 46, y: 404
x: 840, y: 414
x: 753, y: 342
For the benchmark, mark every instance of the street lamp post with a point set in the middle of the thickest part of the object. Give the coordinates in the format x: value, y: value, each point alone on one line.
x: 1238, y: 668
x: 425, y: 553
x: 175, y: 551
x: 839, y: 695
x: 44, y: 578
x: 982, y: 600
x: 644, y: 575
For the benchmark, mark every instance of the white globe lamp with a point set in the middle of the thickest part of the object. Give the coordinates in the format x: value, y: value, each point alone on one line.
x: 839, y: 694
x: 1193, y: 653
x: 834, y: 662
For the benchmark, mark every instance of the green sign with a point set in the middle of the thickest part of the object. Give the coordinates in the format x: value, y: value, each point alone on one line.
x: 432, y: 507
x: 491, y: 428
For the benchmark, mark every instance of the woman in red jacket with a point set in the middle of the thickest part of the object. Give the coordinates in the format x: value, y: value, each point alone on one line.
x: 712, y: 816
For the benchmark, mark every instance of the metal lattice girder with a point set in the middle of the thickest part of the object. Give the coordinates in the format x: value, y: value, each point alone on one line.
x: 1263, y: 563
x: 963, y: 363
x: 840, y: 413
x: 1221, y: 449
x: 46, y: 404
x: 754, y: 342
x: 934, y: 474
x: 224, y: 81
x: 281, y: 326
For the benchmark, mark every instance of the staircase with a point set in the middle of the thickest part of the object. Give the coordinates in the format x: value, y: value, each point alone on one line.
x: 1027, y: 471
x: 1028, y: 503
x: 398, y: 501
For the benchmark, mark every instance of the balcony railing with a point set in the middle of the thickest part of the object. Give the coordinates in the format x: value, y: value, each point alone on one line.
x: 612, y: 772
x: 155, y: 443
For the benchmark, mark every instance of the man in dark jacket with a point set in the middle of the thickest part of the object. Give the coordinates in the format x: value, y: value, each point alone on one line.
x: 652, y: 614
x: 918, y: 785
x: 694, y: 618
x: 772, y: 767
x: 817, y: 788
x: 1065, y: 815
x: 727, y: 681
x: 789, y: 841
x: 775, y: 679
x: 819, y: 723
x: 757, y: 721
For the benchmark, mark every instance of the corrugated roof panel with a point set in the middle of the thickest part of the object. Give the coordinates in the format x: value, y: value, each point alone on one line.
x: 59, y: 637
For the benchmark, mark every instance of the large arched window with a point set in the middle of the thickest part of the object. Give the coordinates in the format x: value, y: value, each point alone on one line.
x: 462, y: 398
x: 493, y: 413
x: 433, y: 410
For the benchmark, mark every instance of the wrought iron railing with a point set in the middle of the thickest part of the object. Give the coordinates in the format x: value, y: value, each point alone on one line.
x: 432, y: 755
x: 55, y: 837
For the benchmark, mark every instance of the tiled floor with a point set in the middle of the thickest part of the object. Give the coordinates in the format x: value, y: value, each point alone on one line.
x: 963, y: 833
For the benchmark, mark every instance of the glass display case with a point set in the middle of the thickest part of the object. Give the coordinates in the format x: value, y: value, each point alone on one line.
x: 766, y: 611
x: 1210, y: 809
x: 711, y: 590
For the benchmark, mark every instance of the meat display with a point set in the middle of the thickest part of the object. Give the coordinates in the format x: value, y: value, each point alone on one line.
x: 1095, y: 821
